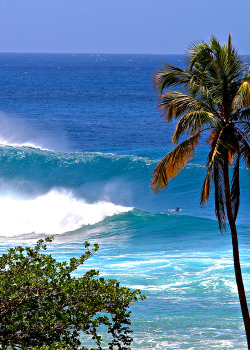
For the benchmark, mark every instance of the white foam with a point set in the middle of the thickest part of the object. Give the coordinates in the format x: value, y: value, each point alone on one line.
x: 8, y: 142
x: 56, y: 212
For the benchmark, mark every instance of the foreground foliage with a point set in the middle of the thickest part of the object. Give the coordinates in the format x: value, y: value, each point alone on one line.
x: 211, y: 97
x: 43, y: 307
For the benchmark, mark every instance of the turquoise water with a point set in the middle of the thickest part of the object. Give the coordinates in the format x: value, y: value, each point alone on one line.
x: 80, y: 137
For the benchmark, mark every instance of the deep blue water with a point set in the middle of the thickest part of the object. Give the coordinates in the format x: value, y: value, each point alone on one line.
x: 80, y: 137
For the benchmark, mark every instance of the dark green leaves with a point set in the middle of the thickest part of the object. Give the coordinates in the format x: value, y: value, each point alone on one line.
x: 43, y: 307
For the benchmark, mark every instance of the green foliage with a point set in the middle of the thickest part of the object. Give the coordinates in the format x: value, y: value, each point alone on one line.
x: 43, y: 307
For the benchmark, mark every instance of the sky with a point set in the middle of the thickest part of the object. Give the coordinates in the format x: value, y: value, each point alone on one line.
x: 120, y: 26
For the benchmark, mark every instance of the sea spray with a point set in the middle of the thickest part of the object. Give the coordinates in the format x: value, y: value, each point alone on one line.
x: 17, y: 132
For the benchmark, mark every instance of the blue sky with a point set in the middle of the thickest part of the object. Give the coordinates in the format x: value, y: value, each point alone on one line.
x: 120, y: 26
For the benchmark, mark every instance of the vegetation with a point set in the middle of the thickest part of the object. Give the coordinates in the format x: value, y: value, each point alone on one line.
x: 211, y: 96
x: 43, y: 307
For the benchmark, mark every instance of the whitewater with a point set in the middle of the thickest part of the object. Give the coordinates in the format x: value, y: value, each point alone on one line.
x: 80, y: 136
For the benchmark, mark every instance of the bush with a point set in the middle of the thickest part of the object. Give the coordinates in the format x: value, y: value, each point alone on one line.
x: 43, y: 307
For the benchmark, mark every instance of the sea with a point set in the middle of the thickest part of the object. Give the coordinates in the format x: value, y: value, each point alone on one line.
x: 80, y: 135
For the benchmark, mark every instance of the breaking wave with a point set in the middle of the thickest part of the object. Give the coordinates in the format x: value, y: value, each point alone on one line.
x: 53, y: 213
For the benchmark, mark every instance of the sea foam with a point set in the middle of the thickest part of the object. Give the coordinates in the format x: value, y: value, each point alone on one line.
x: 56, y: 212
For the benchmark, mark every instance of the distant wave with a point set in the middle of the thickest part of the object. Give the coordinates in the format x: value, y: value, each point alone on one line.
x: 71, y: 170
x: 17, y: 132
x: 8, y: 142
x: 56, y: 212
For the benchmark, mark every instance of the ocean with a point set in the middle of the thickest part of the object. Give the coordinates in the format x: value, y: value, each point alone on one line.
x: 80, y: 136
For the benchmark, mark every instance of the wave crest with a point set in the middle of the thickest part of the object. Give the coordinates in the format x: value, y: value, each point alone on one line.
x: 56, y: 212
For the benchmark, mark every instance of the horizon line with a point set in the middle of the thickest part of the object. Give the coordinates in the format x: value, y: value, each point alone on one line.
x: 96, y: 53
x: 86, y: 53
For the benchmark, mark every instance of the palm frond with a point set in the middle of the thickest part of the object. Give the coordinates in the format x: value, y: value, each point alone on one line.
x: 193, y: 122
x: 229, y: 46
x: 230, y: 141
x: 174, y: 103
x: 214, y: 166
x: 199, y: 53
x: 206, y: 188
x: 215, y: 154
x: 170, y: 76
x: 219, y: 196
x: 242, y: 96
x: 223, y: 141
x: 173, y: 163
x: 235, y: 188
x: 244, y: 115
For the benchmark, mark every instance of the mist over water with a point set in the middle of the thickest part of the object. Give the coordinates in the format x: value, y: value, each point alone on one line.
x: 79, y: 139
x: 18, y: 132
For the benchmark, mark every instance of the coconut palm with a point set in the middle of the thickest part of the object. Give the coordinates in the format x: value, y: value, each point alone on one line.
x: 211, y: 97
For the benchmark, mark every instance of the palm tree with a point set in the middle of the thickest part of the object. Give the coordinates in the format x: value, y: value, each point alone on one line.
x: 212, y: 96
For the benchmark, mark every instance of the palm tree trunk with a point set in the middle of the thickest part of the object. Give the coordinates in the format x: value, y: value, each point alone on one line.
x: 236, y: 256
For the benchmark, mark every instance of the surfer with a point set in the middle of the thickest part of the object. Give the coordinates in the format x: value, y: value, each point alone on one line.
x: 176, y: 209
